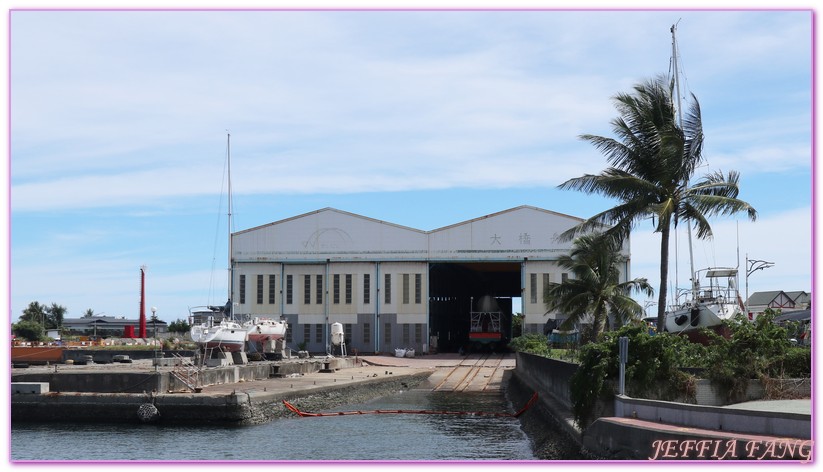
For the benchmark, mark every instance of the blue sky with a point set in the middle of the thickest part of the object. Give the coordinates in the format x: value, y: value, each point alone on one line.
x: 118, y: 129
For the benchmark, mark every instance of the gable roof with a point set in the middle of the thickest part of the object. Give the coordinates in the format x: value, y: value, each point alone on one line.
x: 328, y: 210
x: 326, y: 234
x: 763, y: 298
x: 510, y: 210
x: 800, y: 296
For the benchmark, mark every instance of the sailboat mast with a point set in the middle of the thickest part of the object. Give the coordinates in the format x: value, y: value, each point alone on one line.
x: 694, y: 282
x: 231, y: 266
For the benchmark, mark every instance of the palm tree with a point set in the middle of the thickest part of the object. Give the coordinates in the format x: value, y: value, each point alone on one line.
x: 594, y: 290
x: 653, y: 160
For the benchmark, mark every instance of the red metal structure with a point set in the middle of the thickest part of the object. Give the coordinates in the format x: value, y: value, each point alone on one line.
x: 142, y: 333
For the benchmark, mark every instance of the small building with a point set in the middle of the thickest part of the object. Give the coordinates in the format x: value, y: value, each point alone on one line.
x: 111, y: 326
x: 392, y: 286
x: 786, y: 302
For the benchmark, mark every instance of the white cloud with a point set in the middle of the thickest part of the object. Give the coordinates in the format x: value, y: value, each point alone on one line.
x: 783, y: 238
x: 128, y: 110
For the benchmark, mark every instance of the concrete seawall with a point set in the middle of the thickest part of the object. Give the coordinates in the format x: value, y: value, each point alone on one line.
x: 238, y: 407
x: 550, y: 379
x: 640, y: 429
x: 236, y: 397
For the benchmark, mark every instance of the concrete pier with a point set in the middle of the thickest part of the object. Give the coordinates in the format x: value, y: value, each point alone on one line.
x: 249, y: 394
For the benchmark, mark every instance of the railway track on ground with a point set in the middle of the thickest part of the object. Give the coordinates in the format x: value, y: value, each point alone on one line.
x: 466, y: 375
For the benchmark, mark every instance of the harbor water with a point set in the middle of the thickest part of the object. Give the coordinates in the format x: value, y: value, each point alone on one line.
x: 370, y: 437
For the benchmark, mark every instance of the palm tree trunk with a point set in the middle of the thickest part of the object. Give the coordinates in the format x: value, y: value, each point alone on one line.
x: 664, y: 278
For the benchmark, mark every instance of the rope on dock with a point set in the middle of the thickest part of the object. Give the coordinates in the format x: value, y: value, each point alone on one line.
x: 305, y: 414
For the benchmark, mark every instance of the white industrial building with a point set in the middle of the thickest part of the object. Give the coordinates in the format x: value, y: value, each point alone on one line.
x: 392, y: 286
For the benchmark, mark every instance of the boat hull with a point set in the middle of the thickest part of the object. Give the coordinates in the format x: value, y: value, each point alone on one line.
x: 264, y: 330
x: 229, y: 338
x: 704, y: 315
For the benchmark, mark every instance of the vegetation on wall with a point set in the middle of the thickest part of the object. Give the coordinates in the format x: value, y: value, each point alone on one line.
x: 754, y: 350
x: 658, y: 365
x: 652, y: 370
x: 531, y: 343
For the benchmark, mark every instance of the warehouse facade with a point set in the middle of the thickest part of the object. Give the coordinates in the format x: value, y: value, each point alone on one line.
x: 392, y: 286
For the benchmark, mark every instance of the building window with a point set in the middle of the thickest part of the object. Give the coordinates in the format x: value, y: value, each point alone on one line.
x: 406, y: 334
x: 387, y: 333
x: 366, y: 333
x: 366, y: 289
x: 307, y: 289
x: 318, y: 333
x: 306, y: 333
x: 387, y: 289
x: 348, y: 289
x: 336, y: 285
x: 418, y: 333
x: 564, y: 277
x: 347, y: 332
x: 289, y: 334
x: 405, y: 289
x: 319, y: 288
x: 289, y: 291
x: 242, y: 288
x: 546, y: 282
x: 272, y: 289
x: 418, y: 288
x: 259, y: 289
x: 533, y: 287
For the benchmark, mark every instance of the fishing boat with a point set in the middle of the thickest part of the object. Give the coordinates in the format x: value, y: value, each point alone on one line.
x: 214, y: 327
x: 708, y: 304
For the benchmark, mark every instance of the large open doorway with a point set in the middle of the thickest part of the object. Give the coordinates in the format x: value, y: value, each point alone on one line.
x: 463, y: 301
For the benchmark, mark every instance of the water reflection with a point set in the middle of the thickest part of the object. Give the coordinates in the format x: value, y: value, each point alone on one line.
x: 359, y: 437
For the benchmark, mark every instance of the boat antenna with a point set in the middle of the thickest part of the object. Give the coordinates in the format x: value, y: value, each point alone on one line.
x: 229, y: 224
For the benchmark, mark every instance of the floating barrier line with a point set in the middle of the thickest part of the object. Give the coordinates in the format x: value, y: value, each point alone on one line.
x: 305, y: 414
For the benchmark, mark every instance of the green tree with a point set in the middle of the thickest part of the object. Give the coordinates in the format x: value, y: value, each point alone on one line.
x: 88, y: 313
x: 50, y: 317
x: 54, y: 316
x: 179, y: 326
x: 34, y: 312
x: 28, y: 330
x: 595, y: 291
x: 653, y: 159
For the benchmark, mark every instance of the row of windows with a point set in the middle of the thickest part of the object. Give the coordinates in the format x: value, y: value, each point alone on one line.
x: 545, y: 279
x: 319, y: 329
x: 337, y: 290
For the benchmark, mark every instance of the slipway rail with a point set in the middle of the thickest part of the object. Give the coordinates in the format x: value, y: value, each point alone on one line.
x: 305, y: 414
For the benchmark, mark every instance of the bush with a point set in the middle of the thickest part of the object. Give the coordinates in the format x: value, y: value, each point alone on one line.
x: 531, y: 343
x: 652, y: 369
x: 795, y: 363
x: 28, y: 330
x: 754, y: 350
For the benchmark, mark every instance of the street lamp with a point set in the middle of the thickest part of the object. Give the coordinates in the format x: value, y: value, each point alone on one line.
x: 752, y: 266
x: 154, y: 324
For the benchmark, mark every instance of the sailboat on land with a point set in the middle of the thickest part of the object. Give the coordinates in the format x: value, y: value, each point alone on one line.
x: 214, y: 327
x: 715, y: 300
x: 710, y: 304
x: 264, y: 329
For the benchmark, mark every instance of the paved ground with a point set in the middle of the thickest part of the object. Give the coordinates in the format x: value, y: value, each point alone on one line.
x: 803, y: 406
x: 449, y: 372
